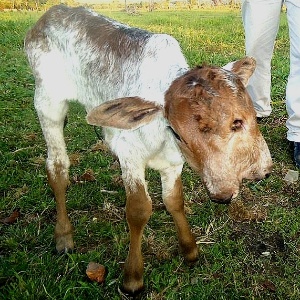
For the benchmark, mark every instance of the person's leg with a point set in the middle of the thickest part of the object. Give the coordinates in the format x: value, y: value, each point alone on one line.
x: 292, y: 90
x: 261, y: 21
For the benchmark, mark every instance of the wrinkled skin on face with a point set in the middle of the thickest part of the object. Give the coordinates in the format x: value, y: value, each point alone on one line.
x: 214, y: 121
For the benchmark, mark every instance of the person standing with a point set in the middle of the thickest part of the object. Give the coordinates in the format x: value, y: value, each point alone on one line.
x: 261, y: 20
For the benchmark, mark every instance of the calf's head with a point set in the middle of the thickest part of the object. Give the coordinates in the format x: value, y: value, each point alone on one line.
x: 213, y: 120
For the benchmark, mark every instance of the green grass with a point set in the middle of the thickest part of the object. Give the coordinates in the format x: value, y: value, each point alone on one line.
x: 231, y: 264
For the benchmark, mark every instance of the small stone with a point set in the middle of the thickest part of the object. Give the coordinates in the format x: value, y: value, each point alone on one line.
x: 291, y: 176
x: 95, y: 272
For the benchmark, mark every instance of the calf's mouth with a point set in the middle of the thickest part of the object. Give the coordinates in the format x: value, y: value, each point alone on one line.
x: 225, y: 197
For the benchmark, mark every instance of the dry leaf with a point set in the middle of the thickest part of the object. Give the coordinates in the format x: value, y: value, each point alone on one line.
x: 88, y: 175
x: 12, y: 218
x: 30, y: 136
x: 38, y: 160
x: 269, y: 285
x: 19, y: 192
x: 117, y: 180
x: 74, y: 159
x: 95, y: 272
x: 100, y: 146
x: 115, y: 165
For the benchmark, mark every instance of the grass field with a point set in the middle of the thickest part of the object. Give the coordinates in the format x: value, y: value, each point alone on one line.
x: 249, y: 250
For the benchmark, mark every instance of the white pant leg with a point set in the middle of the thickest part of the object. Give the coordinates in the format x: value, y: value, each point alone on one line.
x: 293, y: 85
x: 261, y: 22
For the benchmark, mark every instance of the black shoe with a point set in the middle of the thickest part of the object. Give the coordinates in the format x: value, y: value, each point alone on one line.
x: 297, y: 154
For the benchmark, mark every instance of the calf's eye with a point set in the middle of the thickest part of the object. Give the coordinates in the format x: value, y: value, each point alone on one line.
x: 237, y: 125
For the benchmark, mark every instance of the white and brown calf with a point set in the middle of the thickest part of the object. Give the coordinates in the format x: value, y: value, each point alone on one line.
x: 155, y: 112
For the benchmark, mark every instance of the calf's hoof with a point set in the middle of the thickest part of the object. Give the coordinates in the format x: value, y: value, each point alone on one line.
x: 132, y: 288
x: 131, y: 293
x: 189, y: 251
x: 64, y: 243
x: 192, y: 256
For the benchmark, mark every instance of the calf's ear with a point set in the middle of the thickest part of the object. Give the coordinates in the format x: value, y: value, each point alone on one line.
x: 124, y: 113
x: 243, y: 68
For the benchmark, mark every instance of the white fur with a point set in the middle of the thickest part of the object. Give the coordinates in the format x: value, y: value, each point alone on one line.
x: 71, y: 69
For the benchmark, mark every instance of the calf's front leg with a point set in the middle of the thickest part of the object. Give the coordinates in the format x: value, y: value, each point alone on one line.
x: 173, y: 199
x: 138, y: 212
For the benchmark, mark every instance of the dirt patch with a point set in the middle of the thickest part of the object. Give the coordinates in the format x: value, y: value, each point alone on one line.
x: 239, y: 212
x: 260, y: 243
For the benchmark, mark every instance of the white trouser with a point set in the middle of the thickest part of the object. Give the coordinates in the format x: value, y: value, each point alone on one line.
x: 261, y: 22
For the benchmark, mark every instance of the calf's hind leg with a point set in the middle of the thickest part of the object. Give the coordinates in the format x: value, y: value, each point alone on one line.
x: 52, y: 122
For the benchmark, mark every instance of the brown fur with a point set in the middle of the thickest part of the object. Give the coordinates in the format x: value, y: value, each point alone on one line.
x: 138, y: 212
x: 63, y: 229
x: 175, y: 206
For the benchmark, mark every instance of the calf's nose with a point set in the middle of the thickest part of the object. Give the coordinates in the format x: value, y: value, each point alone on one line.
x: 267, y: 175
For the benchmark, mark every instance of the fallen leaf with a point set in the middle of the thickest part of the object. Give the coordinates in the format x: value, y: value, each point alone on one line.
x: 30, y: 136
x: 217, y: 275
x: 269, y: 285
x: 95, y: 272
x: 117, y: 180
x: 19, y: 192
x: 115, y: 165
x: 12, y: 218
x: 38, y: 160
x: 100, y: 146
x: 194, y: 280
x: 74, y: 159
x: 88, y: 175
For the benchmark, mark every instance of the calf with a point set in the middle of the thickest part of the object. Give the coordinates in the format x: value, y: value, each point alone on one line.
x: 155, y: 112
